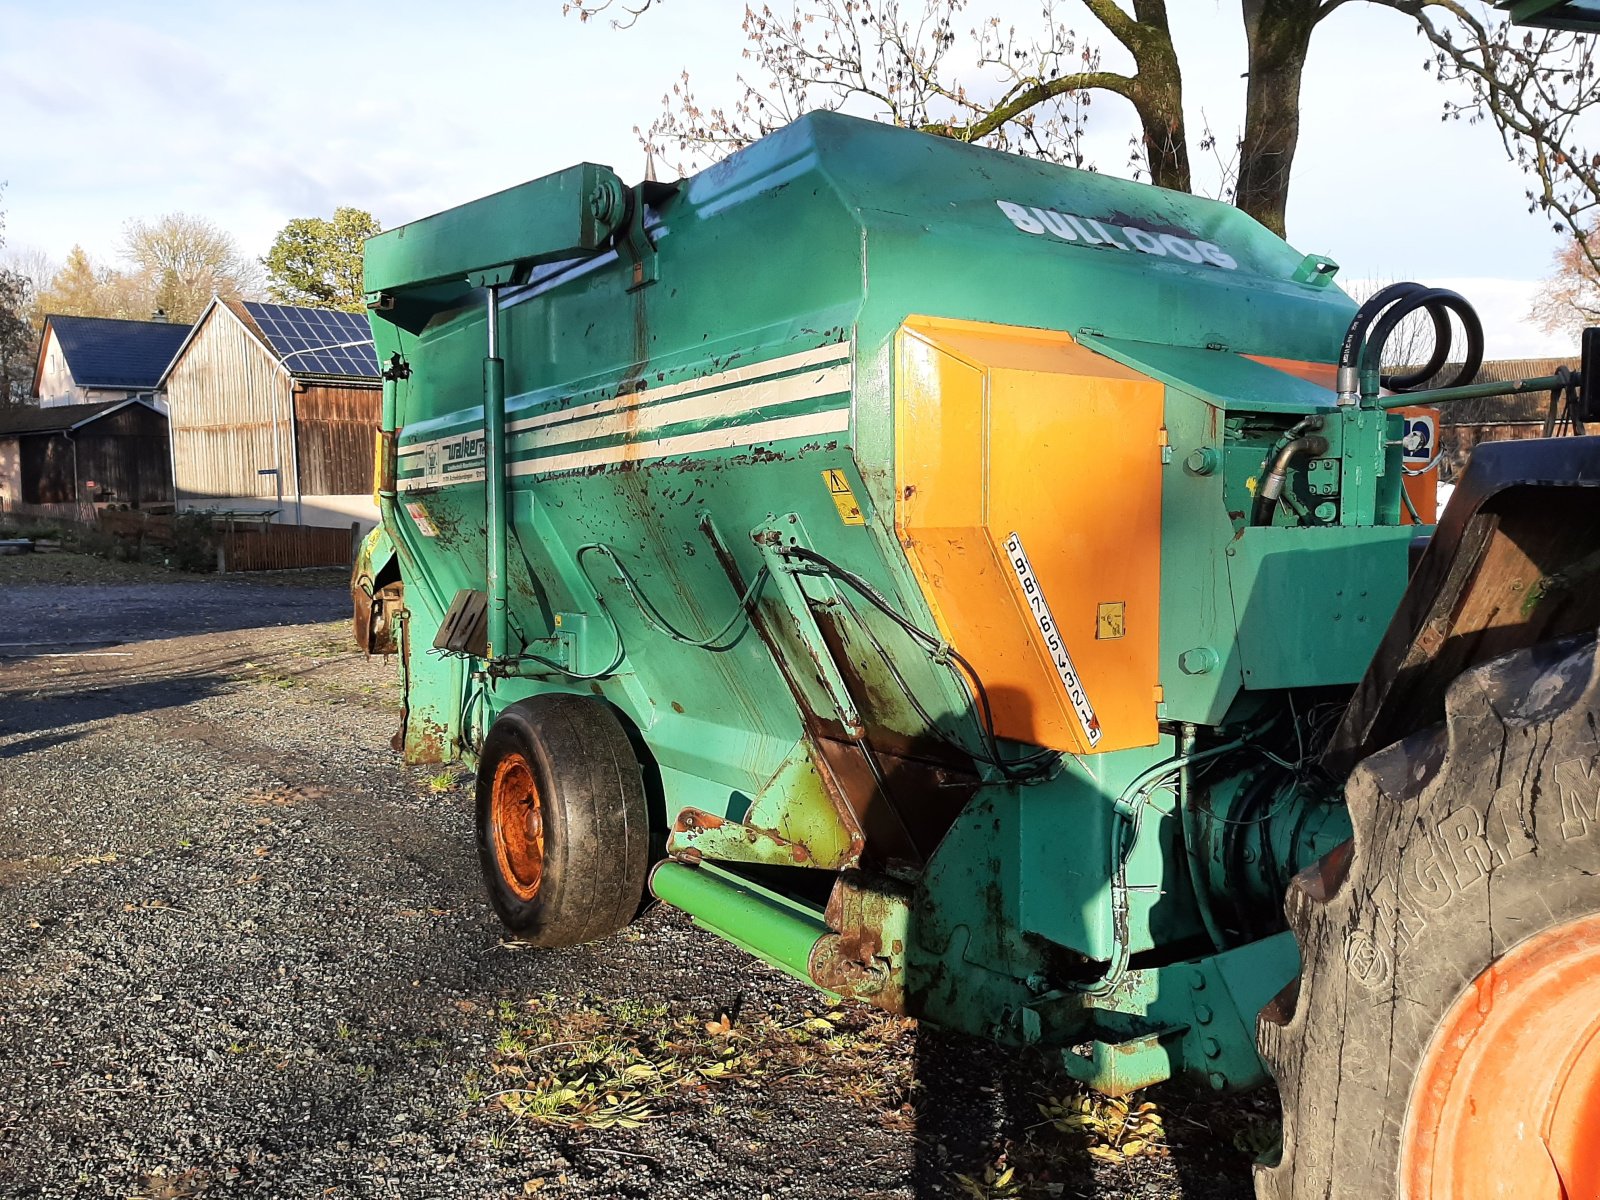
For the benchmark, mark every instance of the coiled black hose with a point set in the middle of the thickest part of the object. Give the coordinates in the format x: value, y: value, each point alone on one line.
x: 1355, y: 336
x: 1361, y: 351
x: 1439, y: 302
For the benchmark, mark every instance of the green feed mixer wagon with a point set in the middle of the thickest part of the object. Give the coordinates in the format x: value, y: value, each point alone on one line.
x: 985, y: 590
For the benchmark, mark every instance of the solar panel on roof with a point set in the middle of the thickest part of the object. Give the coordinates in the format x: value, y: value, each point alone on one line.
x: 317, y: 341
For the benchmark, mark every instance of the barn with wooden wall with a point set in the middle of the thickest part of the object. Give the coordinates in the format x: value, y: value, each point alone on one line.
x: 273, y: 410
x: 68, y: 460
x: 1465, y: 423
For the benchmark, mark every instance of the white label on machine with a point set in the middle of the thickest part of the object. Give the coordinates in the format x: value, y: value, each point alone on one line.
x: 1045, y: 622
x: 1088, y: 231
x: 1420, y: 441
x: 425, y: 526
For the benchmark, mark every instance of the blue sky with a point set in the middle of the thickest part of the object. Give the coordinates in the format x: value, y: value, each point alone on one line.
x: 253, y: 115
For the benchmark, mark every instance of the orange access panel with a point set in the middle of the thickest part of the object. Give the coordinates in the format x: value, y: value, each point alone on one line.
x: 1028, y: 501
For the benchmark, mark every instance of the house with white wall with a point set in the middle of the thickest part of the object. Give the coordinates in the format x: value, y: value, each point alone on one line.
x: 92, y: 360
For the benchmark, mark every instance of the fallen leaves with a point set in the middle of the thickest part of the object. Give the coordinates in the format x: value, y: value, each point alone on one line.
x: 1108, y: 1128
x: 604, y: 1064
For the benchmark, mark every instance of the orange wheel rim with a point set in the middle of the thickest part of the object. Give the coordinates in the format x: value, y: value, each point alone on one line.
x: 1506, y: 1102
x: 518, y: 826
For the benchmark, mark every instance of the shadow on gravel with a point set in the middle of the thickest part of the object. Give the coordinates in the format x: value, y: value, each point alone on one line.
x: 978, y: 1112
x: 1215, y: 1141
x: 46, y: 718
x: 971, y: 1104
x: 42, y: 619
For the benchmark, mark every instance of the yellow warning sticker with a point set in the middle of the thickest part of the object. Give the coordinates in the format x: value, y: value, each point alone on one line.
x: 843, y: 498
x: 1108, y: 622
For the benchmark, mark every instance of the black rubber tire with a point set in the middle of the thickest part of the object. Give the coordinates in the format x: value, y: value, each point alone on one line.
x: 596, y: 826
x: 1468, y: 839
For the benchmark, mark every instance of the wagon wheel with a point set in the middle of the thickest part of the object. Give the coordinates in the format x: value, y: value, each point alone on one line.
x: 562, y: 824
x: 1443, y: 1040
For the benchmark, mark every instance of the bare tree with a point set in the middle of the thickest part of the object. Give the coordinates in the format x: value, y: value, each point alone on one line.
x: 624, y: 15
x: 186, y: 260
x: 177, y: 263
x: 1531, y: 87
x: 895, y: 60
x: 33, y: 264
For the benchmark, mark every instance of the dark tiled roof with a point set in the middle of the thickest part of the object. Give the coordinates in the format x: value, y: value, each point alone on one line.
x: 103, y: 352
x: 315, y: 341
x: 28, y: 419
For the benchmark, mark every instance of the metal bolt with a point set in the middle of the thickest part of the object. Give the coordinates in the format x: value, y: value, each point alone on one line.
x: 1212, y: 1047
x: 1217, y: 1080
x: 605, y: 202
x: 1203, y: 1014
x: 1198, y: 981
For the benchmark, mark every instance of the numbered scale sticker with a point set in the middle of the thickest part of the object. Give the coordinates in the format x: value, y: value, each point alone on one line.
x: 1051, y: 634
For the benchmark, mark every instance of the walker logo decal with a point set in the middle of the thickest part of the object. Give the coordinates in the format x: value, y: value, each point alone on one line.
x: 1046, y: 623
x: 449, y: 460
x: 1069, y: 227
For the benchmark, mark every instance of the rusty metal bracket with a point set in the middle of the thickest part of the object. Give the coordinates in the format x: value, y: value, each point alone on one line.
x: 865, y: 955
x: 1117, y: 1068
x: 635, y: 243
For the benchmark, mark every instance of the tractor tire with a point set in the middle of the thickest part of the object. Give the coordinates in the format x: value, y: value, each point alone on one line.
x: 1443, y: 1040
x: 563, y: 825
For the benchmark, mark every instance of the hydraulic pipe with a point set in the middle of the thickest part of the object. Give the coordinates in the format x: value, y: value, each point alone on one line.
x: 1272, y: 486
x: 388, y: 500
x: 1191, y: 839
x: 774, y: 929
x: 1474, y: 391
x: 494, y: 481
x: 1348, y: 380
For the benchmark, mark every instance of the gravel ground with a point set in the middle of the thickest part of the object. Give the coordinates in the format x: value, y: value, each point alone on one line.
x: 243, y: 952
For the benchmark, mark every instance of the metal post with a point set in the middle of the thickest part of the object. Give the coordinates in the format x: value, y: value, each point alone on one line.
x: 1474, y: 391
x: 77, y: 490
x: 494, y: 480
x: 294, y: 456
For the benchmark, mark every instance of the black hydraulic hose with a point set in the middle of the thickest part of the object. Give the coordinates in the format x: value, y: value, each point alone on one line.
x: 1436, y: 360
x: 1437, y: 301
x: 1355, y: 336
x: 1271, y: 487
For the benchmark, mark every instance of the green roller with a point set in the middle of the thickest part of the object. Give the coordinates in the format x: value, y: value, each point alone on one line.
x: 774, y: 929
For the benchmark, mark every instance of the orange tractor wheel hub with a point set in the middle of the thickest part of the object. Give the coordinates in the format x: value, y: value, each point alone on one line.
x: 518, y: 826
x: 1506, y: 1103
